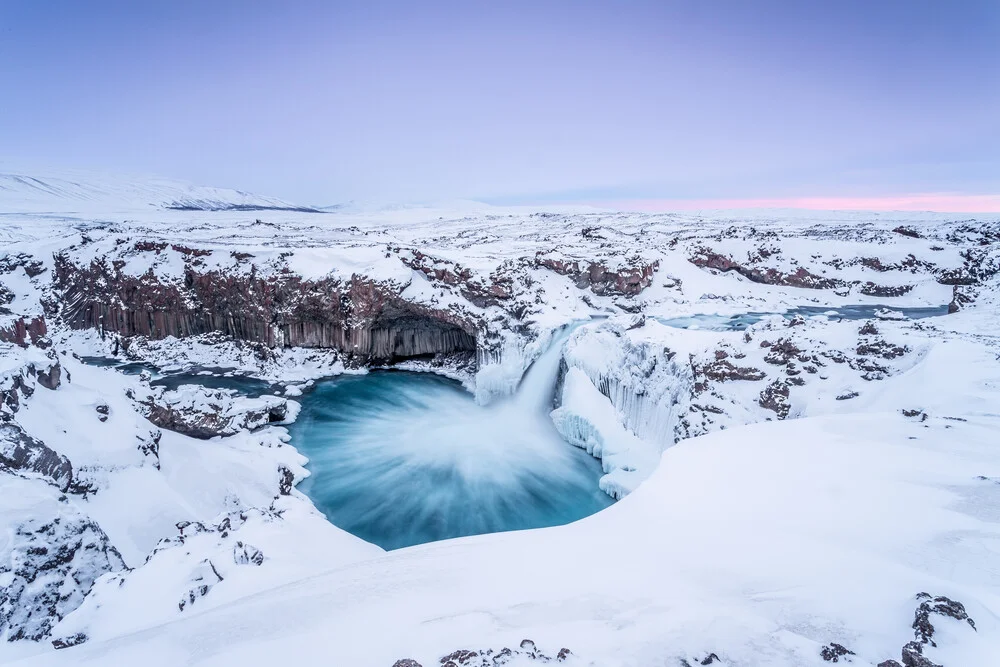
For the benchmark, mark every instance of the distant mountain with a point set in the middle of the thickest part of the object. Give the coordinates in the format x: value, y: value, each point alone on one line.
x: 78, y: 192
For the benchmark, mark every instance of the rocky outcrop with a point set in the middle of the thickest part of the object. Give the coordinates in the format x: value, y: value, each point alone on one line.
x: 149, y: 446
x: 13, y: 388
x: 929, y: 606
x: 25, y: 333
x: 775, y: 398
x: 204, y: 413
x: 50, y: 377
x: 32, y: 267
x: 525, y: 652
x: 706, y: 258
x: 833, y: 652
x: 912, y: 653
x: 959, y: 299
x: 628, y: 280
x: 499, y: 287
x: 873, y: 289
x: 204, y: 578
x: 49, y: 568
x: 21, y: 384
x: 22, y: 453
x: 359, y: 316
x: 247, y: 554
x: 756, y: 271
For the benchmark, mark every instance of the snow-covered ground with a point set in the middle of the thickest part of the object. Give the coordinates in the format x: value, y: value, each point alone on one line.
x: 826, y: 470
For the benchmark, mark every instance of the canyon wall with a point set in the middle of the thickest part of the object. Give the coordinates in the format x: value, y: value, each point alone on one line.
x: 358, y: 316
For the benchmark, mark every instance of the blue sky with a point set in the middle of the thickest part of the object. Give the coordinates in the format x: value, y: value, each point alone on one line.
x: 321, y: 102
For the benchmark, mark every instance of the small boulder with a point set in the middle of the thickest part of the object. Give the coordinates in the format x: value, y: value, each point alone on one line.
x: 833, y: 652
x: 247, y: 554
x: 51, y: 377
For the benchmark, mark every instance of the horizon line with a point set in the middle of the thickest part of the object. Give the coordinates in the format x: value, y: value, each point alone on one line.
x: 920, y: 202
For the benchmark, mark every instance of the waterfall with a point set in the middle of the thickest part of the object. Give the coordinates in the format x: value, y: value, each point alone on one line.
x: 538, y: 387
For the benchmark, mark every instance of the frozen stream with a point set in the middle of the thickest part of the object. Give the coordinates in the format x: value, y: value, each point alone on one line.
x: 741, y: 321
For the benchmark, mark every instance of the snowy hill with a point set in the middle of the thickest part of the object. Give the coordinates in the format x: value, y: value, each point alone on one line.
x: 81, y: 192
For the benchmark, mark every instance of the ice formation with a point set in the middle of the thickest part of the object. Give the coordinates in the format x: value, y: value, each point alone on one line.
x: 807, y: 481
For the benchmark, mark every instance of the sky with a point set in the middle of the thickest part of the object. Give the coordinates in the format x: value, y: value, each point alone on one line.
x: 641, y: 104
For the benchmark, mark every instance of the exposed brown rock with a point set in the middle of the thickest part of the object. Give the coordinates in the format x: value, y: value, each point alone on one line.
x: 872, y: 289
x: 21, y: 452
x: 625, y: 281
x: 709, y: 259
x: 23, y: 333
x: 203, y: 413
x: 359, y: 317
x: 775, y: 398
x: 833, y: 652
x: 723, y: 370
x: 959, y: 299
x: 908, y: 231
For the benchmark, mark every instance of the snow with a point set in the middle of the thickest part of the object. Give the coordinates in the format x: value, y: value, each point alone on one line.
x: 747, y: 544
x: 738, y: 532
x: 587, y: 419
x: 60, y: 191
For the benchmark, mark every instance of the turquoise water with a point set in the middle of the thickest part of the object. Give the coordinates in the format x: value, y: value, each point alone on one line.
x: 402, y: 458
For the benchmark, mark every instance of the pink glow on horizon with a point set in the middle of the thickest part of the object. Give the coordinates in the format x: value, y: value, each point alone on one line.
x: 942, y: 203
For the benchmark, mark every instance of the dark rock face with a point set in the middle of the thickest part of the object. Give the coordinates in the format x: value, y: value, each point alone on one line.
x: 526, y: 651
x: 31, y: 266
x: 495, y: 290
x: 149, y: 446
x: 247, y: 554
x: 6, y: 298
x: 908, y: 231
x: 67, y: 642
x: 956, y: 277
x: 781, y: 352
x: 723, y: 370
x: 706, y: 258
x: 12, y: 389
x: 206, y: 577
x: 51, y: 377
x: 286, y: 480
x: 833, y: 652
x: 868, y: 329
x: 775, y: 398
x: 959, y: 299
x: 912, y: 653
x: 626, y: 281
x: 22, y: 382
x: 942, y: 606
x: 52, y: 566
x: 21, y: 452
x: 911, y: 264
x: 873, y: 289
x: 359, y: 316
x: 881, y: 348
x: 913, y: 656
x: 203, y: 413
x: 24, y: 333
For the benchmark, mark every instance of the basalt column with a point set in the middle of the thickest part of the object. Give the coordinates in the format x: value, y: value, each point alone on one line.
x: 359, y: 316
